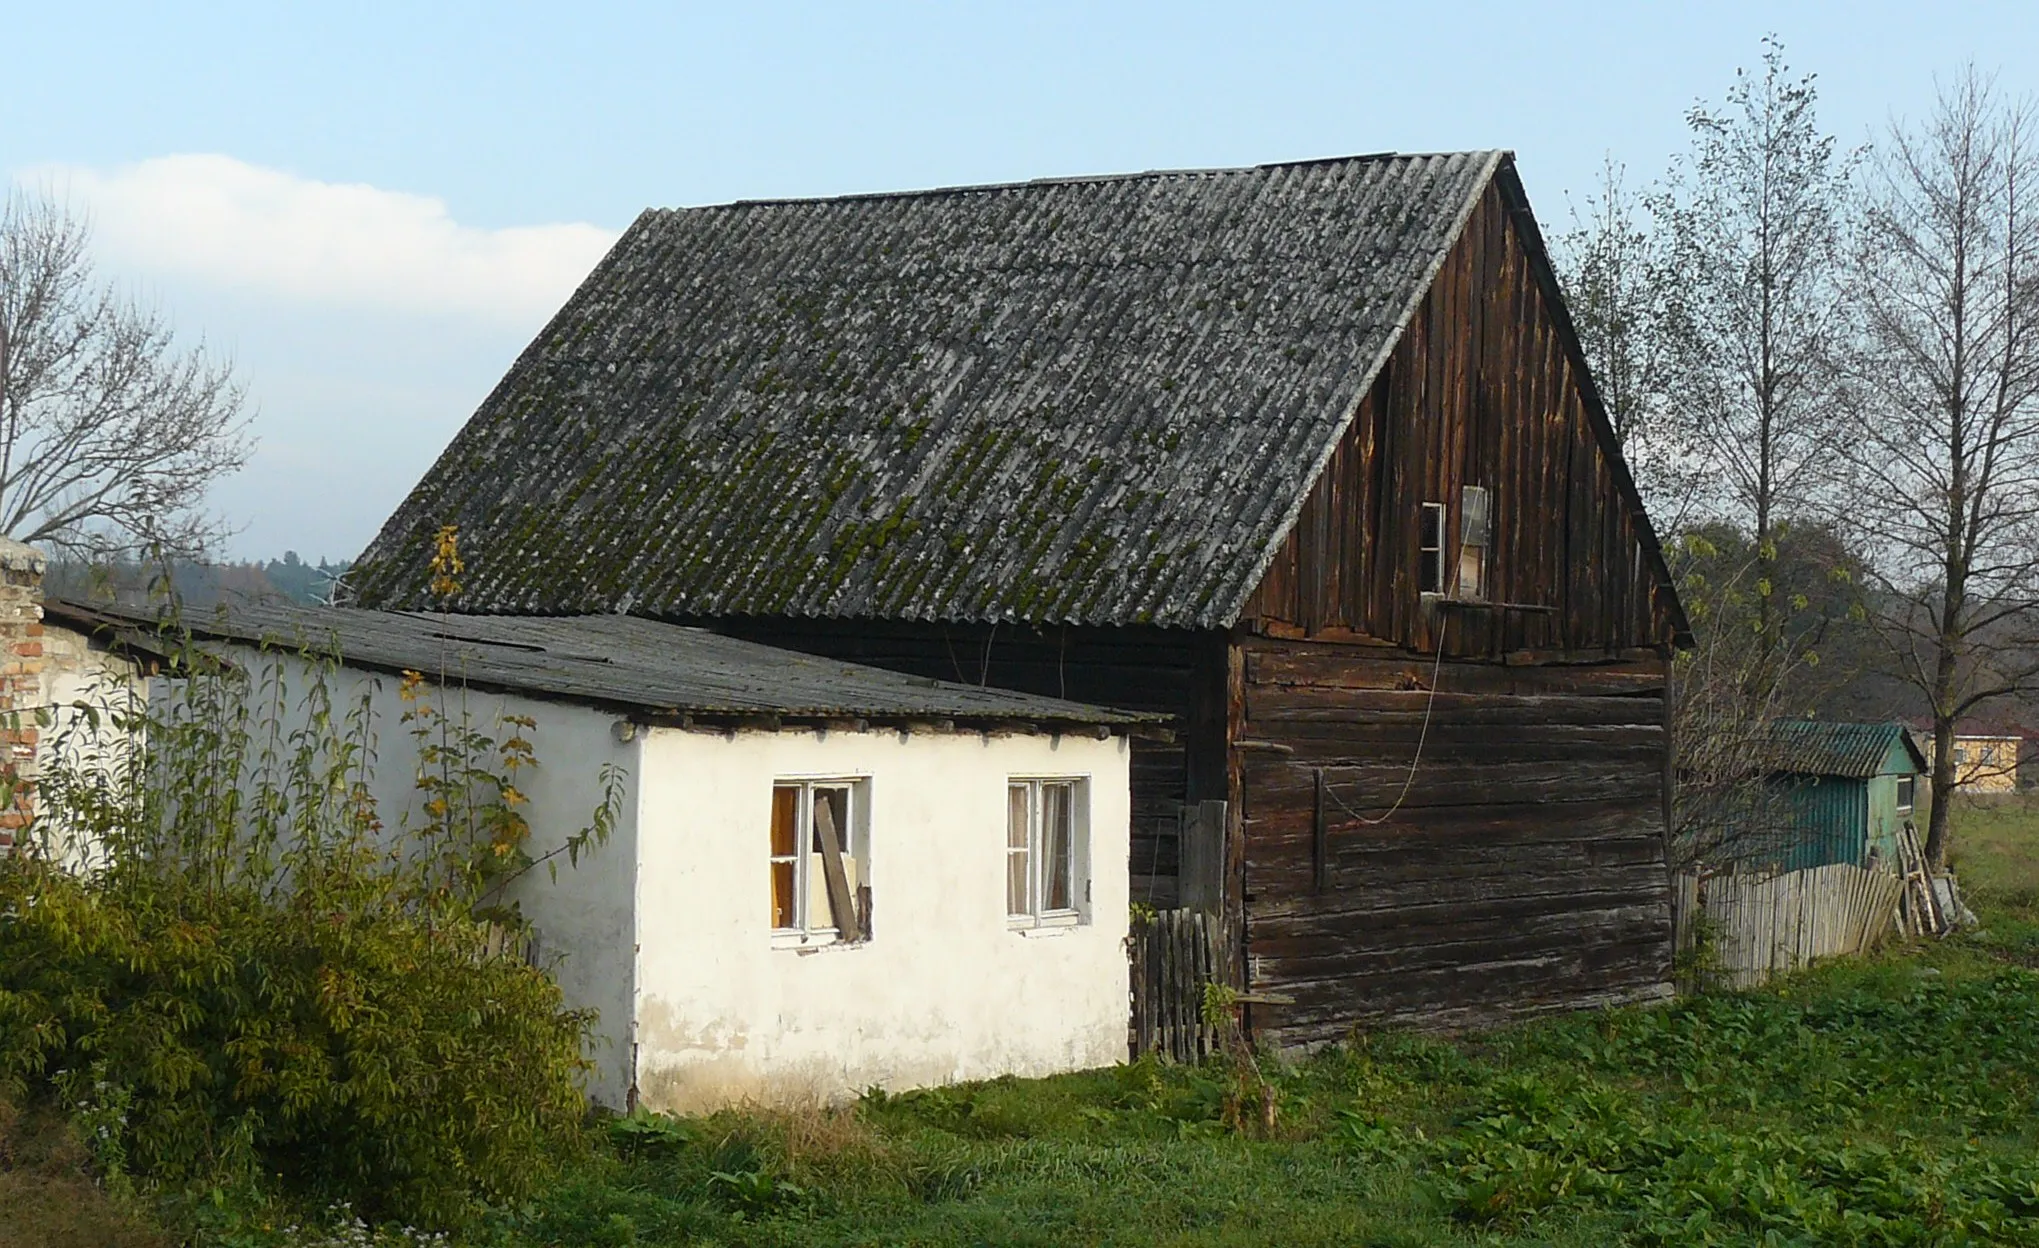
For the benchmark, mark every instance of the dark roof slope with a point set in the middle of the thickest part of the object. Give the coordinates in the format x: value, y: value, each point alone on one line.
x: 633, y: 666
x: 1094, y: 400
x: 1853, y: 751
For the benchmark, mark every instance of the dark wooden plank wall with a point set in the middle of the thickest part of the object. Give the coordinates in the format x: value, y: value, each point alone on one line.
x: 1173, y: 671
x: 1479, y: 391
x: 1523, y: 871
x: 1524, y: 868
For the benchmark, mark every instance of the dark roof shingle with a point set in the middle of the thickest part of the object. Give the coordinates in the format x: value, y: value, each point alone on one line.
x: 622, y: 663
x: 1089, y: 400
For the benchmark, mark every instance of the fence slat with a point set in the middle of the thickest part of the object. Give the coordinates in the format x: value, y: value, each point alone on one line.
x: 1765, y: 925
x: 1172, y: 956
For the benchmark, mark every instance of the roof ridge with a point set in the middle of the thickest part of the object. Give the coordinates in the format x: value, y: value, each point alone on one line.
x: 1078, y: 179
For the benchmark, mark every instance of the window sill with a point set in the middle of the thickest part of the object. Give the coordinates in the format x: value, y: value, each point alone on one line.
x: 1045, y: 925
x: 814, y: 942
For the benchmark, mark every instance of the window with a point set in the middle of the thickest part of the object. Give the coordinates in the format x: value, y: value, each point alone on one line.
x: 1907, y: 789
x: 820, y: 886
x: 1475, y: 538
x: 1430, y: 561
x: 1045, y: 858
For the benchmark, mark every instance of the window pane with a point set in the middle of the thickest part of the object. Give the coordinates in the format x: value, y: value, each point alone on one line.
x: 1016, y: 817
x: 1017, y: 809
x: 1016, y: 882
x: 1058, y: 844
x: 782, y: 896
x: 785, y: 819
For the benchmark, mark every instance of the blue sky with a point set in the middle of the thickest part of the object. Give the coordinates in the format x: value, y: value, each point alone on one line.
x: 372, y: 207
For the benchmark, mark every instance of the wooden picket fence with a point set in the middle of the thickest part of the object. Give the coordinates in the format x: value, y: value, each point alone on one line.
x: 1173, y: 956
x: 1764, y: 925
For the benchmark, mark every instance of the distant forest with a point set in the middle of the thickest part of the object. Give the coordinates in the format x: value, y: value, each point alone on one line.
x: 289, y: 579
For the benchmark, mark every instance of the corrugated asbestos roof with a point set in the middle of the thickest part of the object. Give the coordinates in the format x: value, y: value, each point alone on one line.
x: 1087, y: 400
x: 618, y: 662
x: 1819, y: 748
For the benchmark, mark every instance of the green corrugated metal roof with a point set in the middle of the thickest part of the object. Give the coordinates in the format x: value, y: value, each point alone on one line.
x: 1820, y: 748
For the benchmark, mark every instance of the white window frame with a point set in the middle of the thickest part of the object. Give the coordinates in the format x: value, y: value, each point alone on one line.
x: 1034, y: 913
x: 810, y: 929
x: 1432, y: 528
x: 1903, y: 782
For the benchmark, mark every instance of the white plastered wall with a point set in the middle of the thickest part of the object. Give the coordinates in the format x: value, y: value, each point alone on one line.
x: 944, y: 990
x: 583, y: 919
x: 77, y: 675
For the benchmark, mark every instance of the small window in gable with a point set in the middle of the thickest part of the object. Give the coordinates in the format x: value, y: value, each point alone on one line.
x: 1475, y: 540
x: 1430, y: 552
x: 1907, y: 790
x: 819, y: 861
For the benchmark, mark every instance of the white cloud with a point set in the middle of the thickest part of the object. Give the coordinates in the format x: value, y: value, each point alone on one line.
x: 243, y: 227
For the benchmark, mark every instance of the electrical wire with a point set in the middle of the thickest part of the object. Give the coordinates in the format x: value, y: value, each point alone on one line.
x: 1422, y: 738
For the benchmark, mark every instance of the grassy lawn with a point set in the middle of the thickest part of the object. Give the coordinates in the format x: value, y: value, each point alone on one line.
x: 1888, y: 1101
x: 1995, y: 849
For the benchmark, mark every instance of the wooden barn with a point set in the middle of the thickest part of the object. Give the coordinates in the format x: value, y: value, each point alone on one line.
x: 1303, y: 455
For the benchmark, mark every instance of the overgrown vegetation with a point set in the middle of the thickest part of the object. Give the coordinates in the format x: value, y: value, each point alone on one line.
x: 253, y: 1004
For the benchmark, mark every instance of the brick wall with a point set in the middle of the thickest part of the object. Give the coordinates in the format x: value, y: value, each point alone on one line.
x: 21, y: 681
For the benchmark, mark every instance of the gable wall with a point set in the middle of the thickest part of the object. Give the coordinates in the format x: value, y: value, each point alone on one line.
x: 1479, y: 391
x: 1450, y: 843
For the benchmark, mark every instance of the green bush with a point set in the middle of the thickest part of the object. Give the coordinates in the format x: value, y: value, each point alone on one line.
x: 214, y: 957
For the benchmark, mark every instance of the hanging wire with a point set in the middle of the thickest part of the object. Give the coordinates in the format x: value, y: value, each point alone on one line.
x: 1422, y: 737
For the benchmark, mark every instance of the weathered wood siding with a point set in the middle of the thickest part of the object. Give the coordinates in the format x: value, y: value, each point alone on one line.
x: 1479, y: 391
x: 1175, y: 671
x: 1522, y: 871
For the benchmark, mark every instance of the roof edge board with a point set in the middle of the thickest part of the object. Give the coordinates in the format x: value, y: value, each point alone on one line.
x: 1080, y: 179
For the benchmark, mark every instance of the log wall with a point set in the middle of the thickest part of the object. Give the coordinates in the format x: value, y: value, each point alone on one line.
x: 1517, y: 866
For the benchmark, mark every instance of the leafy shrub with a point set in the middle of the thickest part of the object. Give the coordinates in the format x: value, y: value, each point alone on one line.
x: 212, y: 952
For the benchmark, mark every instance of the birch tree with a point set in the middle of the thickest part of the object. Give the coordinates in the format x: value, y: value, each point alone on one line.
x: 1943, y: 447
x: 1754, y: 284
x: 110, y: 432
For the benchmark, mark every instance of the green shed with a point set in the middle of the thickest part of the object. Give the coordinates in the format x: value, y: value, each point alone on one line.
x: 1847, y: 790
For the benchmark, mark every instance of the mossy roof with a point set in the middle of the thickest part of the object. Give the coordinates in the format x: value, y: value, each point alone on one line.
x: 1092, y: 401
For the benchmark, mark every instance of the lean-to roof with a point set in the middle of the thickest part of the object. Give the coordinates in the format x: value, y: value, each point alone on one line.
x: 1088, y: 400
x: 633, y: 666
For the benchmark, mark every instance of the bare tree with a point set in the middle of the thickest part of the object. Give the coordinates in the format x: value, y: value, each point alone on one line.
x: 1753, y: 282
x: 110, y: 434
x: 1613, y: 266
x: 1943, y: 450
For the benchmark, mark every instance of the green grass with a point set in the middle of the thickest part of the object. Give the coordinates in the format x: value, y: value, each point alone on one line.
x: 1889, y: 1101
x: 1995, y: 849
x: 1893, y: 1100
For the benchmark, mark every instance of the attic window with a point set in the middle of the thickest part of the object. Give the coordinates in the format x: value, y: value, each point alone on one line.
x: 1907, y: 791
x: 819, y: 862
x: 1430, y: 560
x: 1475, y: 538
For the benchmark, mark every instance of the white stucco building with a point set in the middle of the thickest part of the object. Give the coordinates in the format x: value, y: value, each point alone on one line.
x: 823, y: 876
